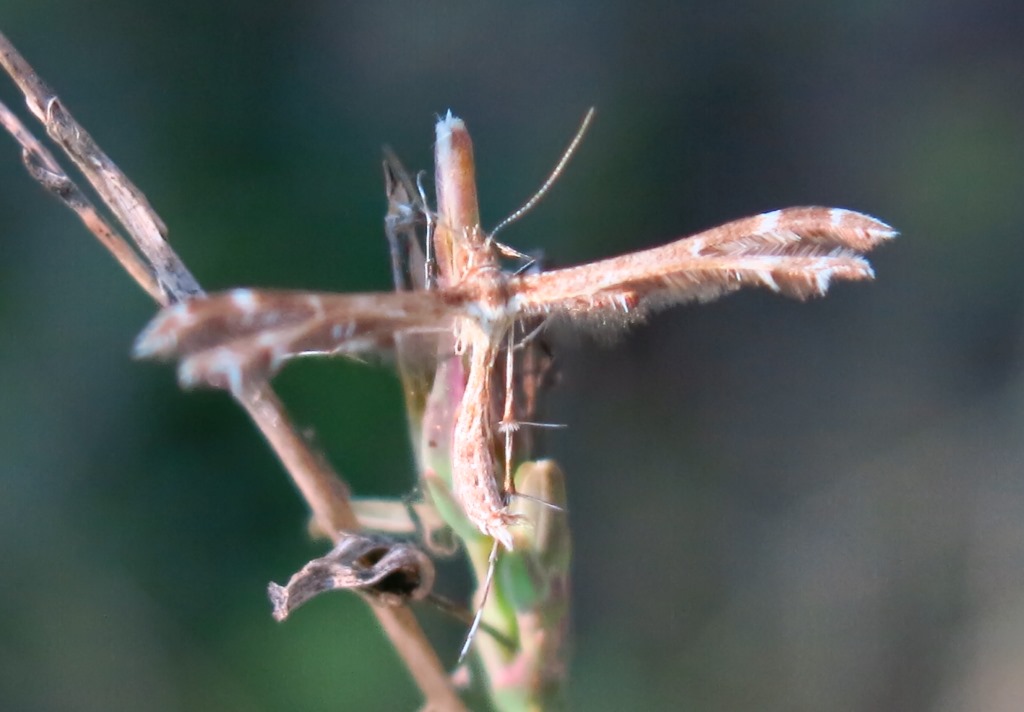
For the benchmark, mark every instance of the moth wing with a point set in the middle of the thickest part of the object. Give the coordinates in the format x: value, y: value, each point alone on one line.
x: 797, y: 252
x: 231, y: 339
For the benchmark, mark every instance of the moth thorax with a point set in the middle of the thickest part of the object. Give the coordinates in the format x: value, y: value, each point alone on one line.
x: 489, y: 302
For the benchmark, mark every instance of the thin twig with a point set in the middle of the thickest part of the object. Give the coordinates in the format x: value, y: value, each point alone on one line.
x: 42, y: 166
x: 322, y: 489
x: 118, y: 193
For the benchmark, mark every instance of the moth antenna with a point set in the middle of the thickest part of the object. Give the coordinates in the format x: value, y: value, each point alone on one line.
x: 559, y: 167
x: 492, y: 562
x: 429, y: 262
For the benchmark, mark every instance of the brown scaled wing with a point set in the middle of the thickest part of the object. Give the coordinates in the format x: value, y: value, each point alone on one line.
x: 235, y: 338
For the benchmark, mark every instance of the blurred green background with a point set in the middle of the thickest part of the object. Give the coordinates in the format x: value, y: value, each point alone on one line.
x: 776, y: 506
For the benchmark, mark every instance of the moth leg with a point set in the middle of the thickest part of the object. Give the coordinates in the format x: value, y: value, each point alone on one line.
x: 508, y: 423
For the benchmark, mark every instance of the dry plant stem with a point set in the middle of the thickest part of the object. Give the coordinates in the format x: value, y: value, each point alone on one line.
x: 327, y: 495
x: 328, y: 498
x: 474, y: 475
x: 127, y: 203
x: 320, y: 486
x: 42, y: 166
x: 475, y: 482
x: 457, y: 208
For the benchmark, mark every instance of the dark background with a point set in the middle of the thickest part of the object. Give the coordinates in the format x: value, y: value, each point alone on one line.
x: 776, y: 506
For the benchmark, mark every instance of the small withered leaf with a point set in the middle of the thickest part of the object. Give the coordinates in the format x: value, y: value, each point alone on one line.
x: 388, y: 571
